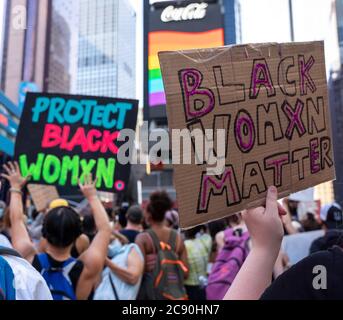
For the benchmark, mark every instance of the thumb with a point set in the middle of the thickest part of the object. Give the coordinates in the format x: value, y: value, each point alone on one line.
x: 271, y: 202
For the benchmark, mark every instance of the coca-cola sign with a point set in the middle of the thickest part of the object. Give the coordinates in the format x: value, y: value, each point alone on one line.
x: 194, y: 11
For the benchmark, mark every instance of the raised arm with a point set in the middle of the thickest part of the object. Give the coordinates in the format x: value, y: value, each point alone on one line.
x: 19, y: 235
x: 94, y: 257
x: 266, y: 232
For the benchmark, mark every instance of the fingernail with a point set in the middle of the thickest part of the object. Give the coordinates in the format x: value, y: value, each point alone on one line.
x: 272, y: 189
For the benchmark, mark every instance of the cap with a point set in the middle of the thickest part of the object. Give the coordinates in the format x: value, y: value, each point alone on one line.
x: 332, y: 216
x: 58, y: 203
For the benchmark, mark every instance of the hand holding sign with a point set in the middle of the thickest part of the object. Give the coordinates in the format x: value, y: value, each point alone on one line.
x: 265, y: 224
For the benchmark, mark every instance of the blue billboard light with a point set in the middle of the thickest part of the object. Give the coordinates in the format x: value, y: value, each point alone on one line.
x: 6, y: 146
x: 9, y: 105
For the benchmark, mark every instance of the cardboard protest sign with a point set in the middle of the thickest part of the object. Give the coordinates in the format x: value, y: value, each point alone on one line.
x: 271, y: 102
x: 42, y: 195
x: 63, y: 137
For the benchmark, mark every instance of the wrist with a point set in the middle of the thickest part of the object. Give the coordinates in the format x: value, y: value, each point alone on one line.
x: 267, y: 251
x: 16, y: 190
x: 16, y: 186
x: 92, y: 197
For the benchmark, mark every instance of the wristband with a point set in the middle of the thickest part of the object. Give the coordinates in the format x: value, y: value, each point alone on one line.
x: 16, y: 191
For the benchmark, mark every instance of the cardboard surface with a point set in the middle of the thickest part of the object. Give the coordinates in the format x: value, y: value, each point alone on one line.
x: 63, y: 137
x: 42, y: 195
x: 272, y: 100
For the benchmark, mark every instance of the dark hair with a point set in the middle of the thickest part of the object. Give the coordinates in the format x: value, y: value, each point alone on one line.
x: 135, y: 215
x: 159, y: 204
x: 62, y: 226
x: 121, y: 213
x: 109, y: 212
x: 216, y: 227
x: 234, y: 220
x: 310, y: 223
x: 88, y: 224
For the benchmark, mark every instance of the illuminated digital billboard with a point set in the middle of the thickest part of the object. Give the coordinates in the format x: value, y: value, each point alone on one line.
x: 177, y: 26
x: 9, y: 118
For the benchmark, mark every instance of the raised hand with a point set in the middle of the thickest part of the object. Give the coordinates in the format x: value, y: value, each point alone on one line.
x: 265, y: 224
x: 13, y: 175
x: 88, y: 186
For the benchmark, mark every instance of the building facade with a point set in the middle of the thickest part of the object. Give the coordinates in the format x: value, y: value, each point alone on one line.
x: 37, y: 44
x: 24, y: 46
x: 106, y: 49
x: 62, y: 39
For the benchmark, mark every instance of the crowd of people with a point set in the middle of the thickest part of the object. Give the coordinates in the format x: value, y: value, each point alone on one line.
x: 137, y: 253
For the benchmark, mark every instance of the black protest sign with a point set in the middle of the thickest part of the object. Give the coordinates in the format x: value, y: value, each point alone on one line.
x: 61, y: 138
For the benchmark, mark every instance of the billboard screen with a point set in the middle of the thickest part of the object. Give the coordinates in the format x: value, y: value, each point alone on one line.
x: 177, y: 26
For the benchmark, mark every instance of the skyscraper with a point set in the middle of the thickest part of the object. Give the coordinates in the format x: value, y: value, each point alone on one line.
x: 62, y: 40
x: 37, y: 45
x: 24, y: 45
x: 106, y: 52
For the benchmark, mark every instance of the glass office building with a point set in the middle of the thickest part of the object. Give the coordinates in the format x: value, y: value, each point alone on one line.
x: 106, y: 51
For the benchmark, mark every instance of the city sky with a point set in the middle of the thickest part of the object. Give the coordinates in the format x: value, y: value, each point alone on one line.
x: 268, y: 21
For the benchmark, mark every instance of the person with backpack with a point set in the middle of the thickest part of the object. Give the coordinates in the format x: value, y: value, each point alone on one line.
x: 19, y: 280
x: 230, y: 258
x: 198, y: 245
x: 67, y: 278
x: 164, y: 254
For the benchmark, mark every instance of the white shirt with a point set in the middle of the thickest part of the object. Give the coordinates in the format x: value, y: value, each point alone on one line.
x: 29, y: 284
x: 4, y: 242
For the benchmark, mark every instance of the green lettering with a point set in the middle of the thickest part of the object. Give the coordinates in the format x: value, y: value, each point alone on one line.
x: 105, y: 172
x: 69, y: 164
x: 34, y: 169
x: 86, y: 167
x: 51, y: 169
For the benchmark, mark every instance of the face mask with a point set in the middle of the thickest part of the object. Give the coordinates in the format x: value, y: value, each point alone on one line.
x: 2, y: 212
